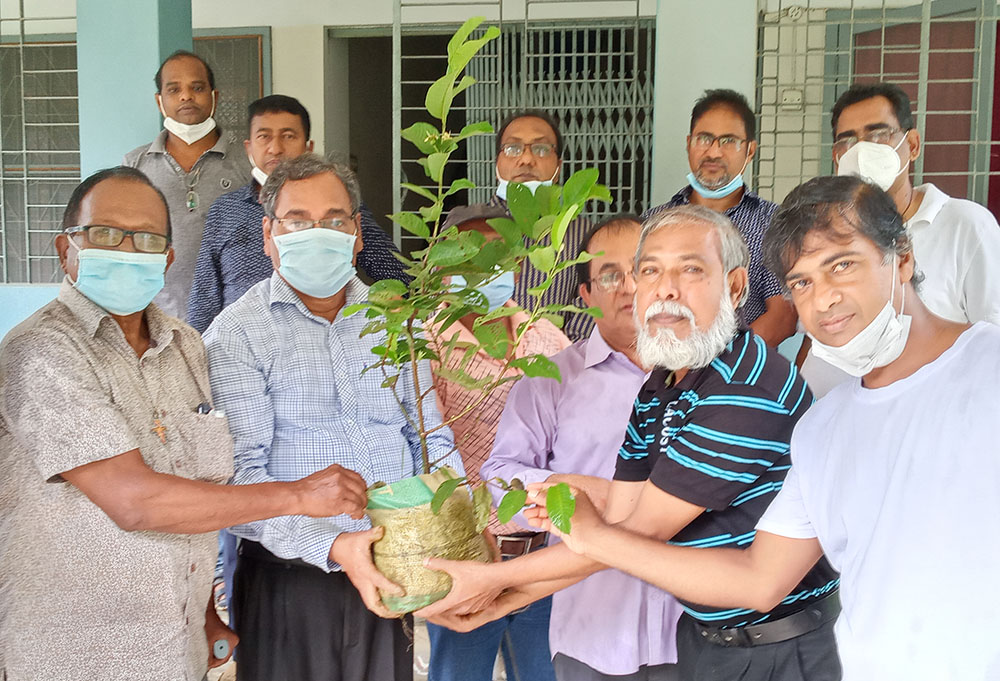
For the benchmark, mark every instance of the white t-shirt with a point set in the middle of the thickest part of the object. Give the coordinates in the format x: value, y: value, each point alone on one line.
x: 901, y: 485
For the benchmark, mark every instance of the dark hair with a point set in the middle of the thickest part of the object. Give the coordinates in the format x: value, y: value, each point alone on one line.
x: 615, y: 222
x: 859, y: 92
x: 302, y: 168
x: 71, y: 216
x: 727, y: 99
x: 826, y: 205
x: 280, y: 104
x: 531, y: 113
x: 158, y: 78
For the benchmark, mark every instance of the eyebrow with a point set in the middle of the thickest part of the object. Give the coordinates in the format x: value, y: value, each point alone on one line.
x: 828, y: 261
x: 536, y: 140
x: 867, y: 128
x: 609, y: 266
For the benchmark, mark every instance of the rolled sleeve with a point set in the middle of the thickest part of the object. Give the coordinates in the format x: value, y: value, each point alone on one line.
x: 57, y: 407
x: 787, y: 515
x: 239, y: 387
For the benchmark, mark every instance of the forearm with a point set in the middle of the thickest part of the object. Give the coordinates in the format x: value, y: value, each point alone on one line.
x: 556, y: 566
x: 777, y: 323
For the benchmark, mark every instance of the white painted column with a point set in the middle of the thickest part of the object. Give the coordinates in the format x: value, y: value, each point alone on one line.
x: 700, y: 45
x: 298, y: 55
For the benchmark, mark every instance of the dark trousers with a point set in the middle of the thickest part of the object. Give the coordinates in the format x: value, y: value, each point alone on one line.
x: 570, y: 669
x: 298, y: 623
x: 810, y: 657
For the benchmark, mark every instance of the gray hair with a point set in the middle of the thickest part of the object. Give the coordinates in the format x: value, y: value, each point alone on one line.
x: 301, y: 168
x: 734, y: 252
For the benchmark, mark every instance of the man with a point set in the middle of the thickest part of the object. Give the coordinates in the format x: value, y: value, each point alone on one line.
x: 521, y: 637
x: 529, y: 151
x: 288, y: 368
x: 558, y: 431
x: 898, y: 490
x: 721, y: 144
x: 705, y: 451
x: 232, y: 258
x: 190, y: 161
x: 956, y: 242
x: 111, y: 451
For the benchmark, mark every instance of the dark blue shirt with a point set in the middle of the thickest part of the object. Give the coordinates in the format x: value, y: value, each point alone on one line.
x: 752, y: 216
x: 232, y: 259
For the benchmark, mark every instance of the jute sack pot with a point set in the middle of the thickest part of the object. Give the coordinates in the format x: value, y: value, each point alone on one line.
x: 413, y: 532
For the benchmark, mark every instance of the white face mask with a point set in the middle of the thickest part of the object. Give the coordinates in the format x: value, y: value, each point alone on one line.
x: 874, y: 162
x: 188, y: 133
x: 257, y: 173
x: 532, y: 185
x: 878, y: 344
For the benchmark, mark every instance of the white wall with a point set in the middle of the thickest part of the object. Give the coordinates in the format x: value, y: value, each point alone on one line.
x: 298, y: 54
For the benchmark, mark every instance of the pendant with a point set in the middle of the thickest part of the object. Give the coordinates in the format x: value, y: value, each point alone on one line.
x: 158, y: 427
x: 192, y: 199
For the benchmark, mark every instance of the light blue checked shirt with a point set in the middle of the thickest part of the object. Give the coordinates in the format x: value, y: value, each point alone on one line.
x: 291, y: 385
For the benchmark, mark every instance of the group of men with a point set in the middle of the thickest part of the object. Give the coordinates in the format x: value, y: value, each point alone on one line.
x: 697, y: 550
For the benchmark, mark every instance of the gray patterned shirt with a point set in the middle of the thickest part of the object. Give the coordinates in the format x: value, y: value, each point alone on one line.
x: 80, y: 598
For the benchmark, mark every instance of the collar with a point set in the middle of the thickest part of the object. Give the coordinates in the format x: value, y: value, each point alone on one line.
x: 282, y: 293
x: 932, y: 203
x: 159, y: 144
x: 90, y: 315
x: 661, y: 377
x: 749, y: 198
x: 248, y: 193
x: 598, y: 350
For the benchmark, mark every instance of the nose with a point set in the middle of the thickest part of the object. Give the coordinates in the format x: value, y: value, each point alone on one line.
x: 825, y: 296
x: 275, y: 146
x: 666, y: 287
x: 627, y: 287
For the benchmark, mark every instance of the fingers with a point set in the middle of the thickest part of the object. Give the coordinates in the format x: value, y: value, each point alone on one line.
x: 373, y: 601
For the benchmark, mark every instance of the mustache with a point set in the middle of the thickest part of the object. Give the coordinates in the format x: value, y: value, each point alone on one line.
x: 669, y: 307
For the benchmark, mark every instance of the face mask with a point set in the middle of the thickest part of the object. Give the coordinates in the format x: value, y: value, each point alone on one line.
x: 874, y: 162
x: 722, y: 191
x: 497, y: 292
x: 188, y: 133
x: 118, y: 281
x: 878, y: 344
x: 317, y: 262
x: 257, y: 173
x: 532, y: 185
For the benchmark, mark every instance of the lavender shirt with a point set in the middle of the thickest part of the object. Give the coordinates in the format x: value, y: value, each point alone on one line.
x: 611, y: 622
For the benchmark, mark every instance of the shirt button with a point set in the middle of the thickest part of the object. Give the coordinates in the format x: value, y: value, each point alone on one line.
x: 193, y: 566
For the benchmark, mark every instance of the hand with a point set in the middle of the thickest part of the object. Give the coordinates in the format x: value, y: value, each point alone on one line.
x: 506, y: 603
x: 585, y: 521
x: 216, y: 629
x: 353, y: 550
x: 332, y: 491
x: 595, y: 488
x: 474, y: 585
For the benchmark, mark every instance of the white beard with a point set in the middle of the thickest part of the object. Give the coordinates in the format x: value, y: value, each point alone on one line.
x: 663, y: 348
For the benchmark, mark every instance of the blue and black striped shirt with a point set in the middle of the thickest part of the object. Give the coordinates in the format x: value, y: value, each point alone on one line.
x: 719, y: 438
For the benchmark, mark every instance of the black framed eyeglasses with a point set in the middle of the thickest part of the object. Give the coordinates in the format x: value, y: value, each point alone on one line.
x: 347, y: 226
x: 538, y: 149
x: 107, y: 236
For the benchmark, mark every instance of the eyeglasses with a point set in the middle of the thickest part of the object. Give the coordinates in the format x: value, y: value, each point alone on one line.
x: 878, y: 135
x: 703, y: 140
x: 112, y: 237
x: 609, y: 282
x: 347, y: 226
x: 538, y: 150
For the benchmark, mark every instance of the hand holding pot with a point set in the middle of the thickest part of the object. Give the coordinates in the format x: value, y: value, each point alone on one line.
x: 353, y: 550
x: 473, y: 587
x: 333, y: 491
x: 506, y: 603
x: 586, y: 521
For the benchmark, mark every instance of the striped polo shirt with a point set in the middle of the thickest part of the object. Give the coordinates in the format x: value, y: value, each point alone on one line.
x: 719, y: 438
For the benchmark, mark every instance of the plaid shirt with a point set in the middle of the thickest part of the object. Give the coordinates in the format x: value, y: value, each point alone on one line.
x: 564, y: 289
x: 297, y: 402
x: 752, y: 216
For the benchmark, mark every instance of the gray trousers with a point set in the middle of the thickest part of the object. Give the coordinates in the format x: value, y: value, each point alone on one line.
x: 570, y: 669
x: 810, y: 657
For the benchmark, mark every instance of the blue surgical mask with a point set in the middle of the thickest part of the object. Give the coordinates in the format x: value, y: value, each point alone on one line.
x: 317, y: 262
x: 497, y: 292
x: 118, y: 281
x: 721, y: 192
x: 532, y: 185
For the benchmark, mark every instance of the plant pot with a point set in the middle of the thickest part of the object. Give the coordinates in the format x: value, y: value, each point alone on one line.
x: 413, y: 532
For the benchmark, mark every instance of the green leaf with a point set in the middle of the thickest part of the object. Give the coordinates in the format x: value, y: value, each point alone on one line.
x: 601, y: 193
x: 390, y: 381
x: 541, y: 288
x: 447, y: 253
x: 464, y: 84
x: 494, y: 339
x: 577, y: 187
x: 506, y: 228
x: 463, y: 54
x: 542, y: 226
x: 422, y: 135
x: 458, y: 185
x: 437, y: 101
x: 512, y: 502
x: 498, y: 313
x: 446, y: 489
x: 481, y: 503
x: 480, y: 128
x: 374, y: 326
x: 543, y: 259
x: 537, y: 366
x: 523, y: 207
x: 560, y: 505
x: 412, y: 223
x: 491, y: 254
x: 386, y: 290
x: 354, y: 309
x: 463, y: 33
x: 434, y: 166
x: 430, y: 213
x: 422, y: 191
x: 559, y: 230
x: 547, y: 197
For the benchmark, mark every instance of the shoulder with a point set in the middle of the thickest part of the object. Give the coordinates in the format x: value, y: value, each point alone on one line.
x: 570, y: 361
x: 47, y: 337
x: 250, y: 310
x: 133, y: 157
x: 750, y: 368
x: 968, y: 214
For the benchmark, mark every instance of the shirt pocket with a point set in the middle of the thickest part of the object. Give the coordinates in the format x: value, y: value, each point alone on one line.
x: 207, y: 453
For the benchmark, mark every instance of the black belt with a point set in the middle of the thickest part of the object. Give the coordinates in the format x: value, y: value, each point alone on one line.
x: 798, y: 623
